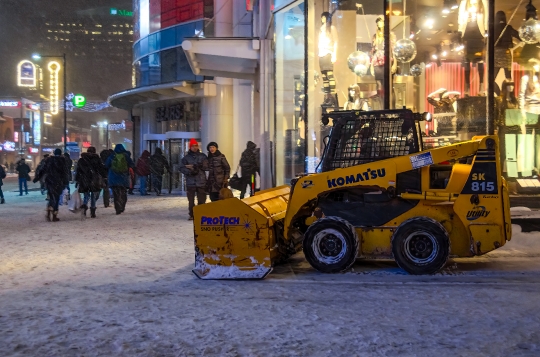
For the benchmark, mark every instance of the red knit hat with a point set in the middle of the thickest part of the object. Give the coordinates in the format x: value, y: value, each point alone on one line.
x: 193, y: 142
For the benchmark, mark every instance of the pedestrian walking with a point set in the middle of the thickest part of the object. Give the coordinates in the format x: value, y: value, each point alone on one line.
x: 23, y: 170
x: 143, y: 170
x: 56, y: 179
x: 118, y: 165
x: 193, y: 166
x: 104, y: 154
x: 249, y: 167
x: 38, y: 169
x: 158, y: 164
x: 219, y: 171
x: 2, y: 177
x: 90, y: 178
x: 69, y: 165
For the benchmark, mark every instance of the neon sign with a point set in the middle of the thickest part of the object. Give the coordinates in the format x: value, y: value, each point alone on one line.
x: 54, y: 68
x: 9, y: 146
x: 121, y: 12
x: 9, y: 103
x: 26, y: 74
x: 79, y: 100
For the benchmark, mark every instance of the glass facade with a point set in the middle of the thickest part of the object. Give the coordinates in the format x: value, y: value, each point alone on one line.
x: 159, y: 58
x: 427, y: 57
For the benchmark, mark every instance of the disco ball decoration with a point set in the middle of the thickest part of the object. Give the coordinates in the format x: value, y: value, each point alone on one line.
x: 405, y: 50
x: 529, y: 32
x: 416, y: 70
x: 361, y: 70
x: 358, y: 62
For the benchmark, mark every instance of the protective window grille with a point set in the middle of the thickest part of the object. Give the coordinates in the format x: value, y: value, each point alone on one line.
x: 369, y: 139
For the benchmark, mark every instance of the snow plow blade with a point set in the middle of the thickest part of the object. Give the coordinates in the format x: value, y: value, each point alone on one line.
x: 236, y: 239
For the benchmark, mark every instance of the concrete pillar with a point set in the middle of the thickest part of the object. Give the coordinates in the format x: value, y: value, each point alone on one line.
x: 223, y: 22
x: 217, y: 118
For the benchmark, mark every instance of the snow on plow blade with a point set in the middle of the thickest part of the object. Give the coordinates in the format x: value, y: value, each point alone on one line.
x: 235, y: 239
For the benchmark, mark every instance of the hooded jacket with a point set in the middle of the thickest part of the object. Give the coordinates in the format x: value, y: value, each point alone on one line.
x: 158, y: 163
x: 219, y: 170
x: 119, y: 179
x: 23, y: 169
x: 249, y: 162
x: 143, y: 164
x: 196, y: 176
x: 56, y: 174
x: 90, y: 170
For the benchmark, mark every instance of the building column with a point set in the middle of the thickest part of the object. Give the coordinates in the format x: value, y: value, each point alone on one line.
x: 217, y: 119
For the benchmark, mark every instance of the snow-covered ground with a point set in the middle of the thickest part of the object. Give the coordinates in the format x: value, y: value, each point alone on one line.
x: 122, y: 286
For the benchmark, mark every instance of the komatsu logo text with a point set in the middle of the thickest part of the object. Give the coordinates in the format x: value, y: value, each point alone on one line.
x: 363, y: 176
x: 220, y: 220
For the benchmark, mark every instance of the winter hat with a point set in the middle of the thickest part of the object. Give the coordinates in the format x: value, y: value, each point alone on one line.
x: 91, y: 149
x: 193, y: 142
x: 57, y: 152
x: 212, y: 143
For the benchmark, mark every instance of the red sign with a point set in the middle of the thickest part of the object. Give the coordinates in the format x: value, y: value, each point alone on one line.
x: 33, y: 150
x: 86, y: 144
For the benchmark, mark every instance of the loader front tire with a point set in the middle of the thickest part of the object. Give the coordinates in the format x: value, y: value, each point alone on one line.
x: 331, y: 245
x: 421, y: 245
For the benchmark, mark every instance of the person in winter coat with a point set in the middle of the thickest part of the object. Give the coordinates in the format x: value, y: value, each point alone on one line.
x: 193, y: 166
x: 158, y: 164
x: 143, y: 170
x: 104, y: 154
x: 218, y: 171
x: 23, y: 169
x: 56, y: 179
x: 69, y: 165
x: 118, y: 166
x: 89, y: 179
x: 249, y: 166
x: 3, y: 175
x: 38, y: 169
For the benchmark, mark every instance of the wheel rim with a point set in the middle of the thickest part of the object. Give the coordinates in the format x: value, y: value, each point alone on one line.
x: 329, y: 246
x: 421, y: 247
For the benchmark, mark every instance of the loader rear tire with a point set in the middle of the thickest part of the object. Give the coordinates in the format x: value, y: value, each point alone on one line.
x: 331, y: 245
x: 420, y: 246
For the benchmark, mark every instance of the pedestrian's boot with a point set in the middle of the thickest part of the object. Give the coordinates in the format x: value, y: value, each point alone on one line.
x: 2, y: 201
x: 49, y: 213
x: 55, y: 216
x: 92, y: 212
x: 84, y: 209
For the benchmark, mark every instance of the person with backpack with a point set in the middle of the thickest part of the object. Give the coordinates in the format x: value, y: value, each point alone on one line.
x: 89, y: 179
x: 158, y: 164
x: 38, y: 169
x: 193, y: 166
x: 218, y: 171
x: 249, y: 166
x: 143, y: 170
x: 2, y: 177
x: 23, y: 169
x: 56, y: 179
x: 118, y: 165
x: 104, y: 154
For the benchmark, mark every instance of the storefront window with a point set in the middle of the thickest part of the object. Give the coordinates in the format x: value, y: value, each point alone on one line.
x: 290, y: 129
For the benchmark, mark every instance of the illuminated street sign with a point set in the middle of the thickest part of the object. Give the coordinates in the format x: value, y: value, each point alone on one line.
x: 26, y: 74
x: 54, y: 68
x: 78, y: 101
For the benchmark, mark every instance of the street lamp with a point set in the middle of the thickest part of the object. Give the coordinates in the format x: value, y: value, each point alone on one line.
x: 63, y: 56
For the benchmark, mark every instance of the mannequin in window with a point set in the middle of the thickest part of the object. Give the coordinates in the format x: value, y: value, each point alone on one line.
x: 354, y: 101
x: 327, y: 58
x: 377, y: 53
x: 503, y: 55
x: 529, y: 91
x: 473, y: 25
x: 444, y: 116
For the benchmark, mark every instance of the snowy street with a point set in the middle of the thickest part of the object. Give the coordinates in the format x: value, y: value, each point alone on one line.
x: 123, y: 286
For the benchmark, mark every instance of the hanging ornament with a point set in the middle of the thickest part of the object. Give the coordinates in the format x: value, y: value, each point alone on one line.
x: 405, y: 50
x: 529, y: 32
x: 358, y: 63
x: 416, y: 70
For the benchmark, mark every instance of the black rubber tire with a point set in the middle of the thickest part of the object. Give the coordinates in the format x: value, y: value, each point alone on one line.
x: 421, y: 245
x: 316, y: 242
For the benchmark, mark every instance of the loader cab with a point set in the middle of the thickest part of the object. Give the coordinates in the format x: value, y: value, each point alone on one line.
x: 359, y: 137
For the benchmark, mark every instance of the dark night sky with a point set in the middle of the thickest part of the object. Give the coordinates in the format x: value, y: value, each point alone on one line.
x: 20, y: 37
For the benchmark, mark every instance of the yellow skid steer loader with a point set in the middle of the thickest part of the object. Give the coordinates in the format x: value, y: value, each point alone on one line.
x: 378, y: 195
